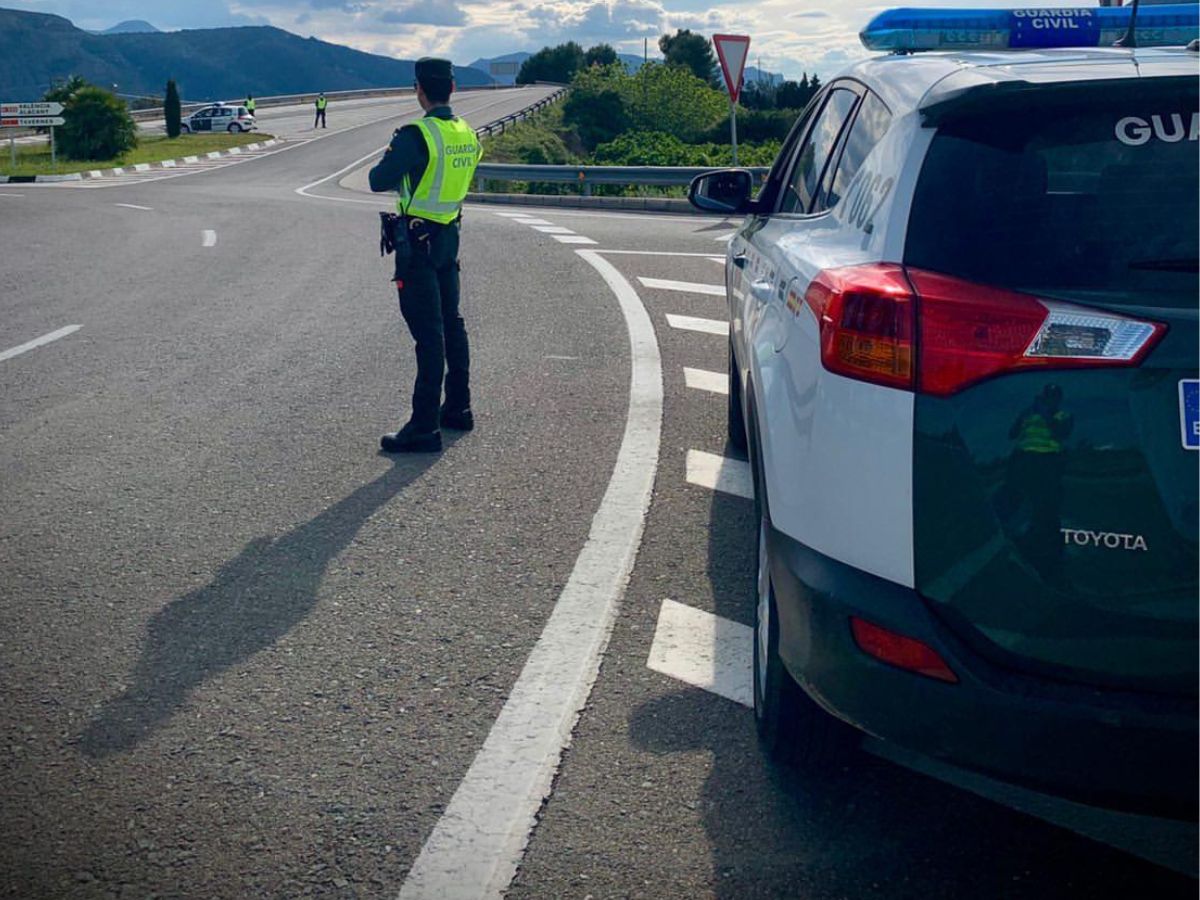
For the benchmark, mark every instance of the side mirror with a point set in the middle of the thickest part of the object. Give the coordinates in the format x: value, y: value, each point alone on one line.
x: 723, y: 191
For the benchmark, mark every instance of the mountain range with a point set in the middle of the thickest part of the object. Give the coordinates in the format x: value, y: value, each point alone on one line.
x: 210, y: 63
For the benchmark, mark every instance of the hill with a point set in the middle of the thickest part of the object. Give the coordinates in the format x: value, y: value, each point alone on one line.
x: 207, y: 64
x: 132, y: 26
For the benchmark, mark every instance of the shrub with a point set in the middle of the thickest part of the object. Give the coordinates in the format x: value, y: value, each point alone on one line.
x: 98, y: 126
x: 755, y: 125
x: 172, y: 110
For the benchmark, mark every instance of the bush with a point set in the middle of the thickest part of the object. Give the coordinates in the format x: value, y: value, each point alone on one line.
x: 656, y: 148
x: 596, y: 106
x: 98, y: 127
x: 755, y: 126
x: 172, y: 110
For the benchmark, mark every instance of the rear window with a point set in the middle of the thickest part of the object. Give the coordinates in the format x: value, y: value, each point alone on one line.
x: 1084, y: 203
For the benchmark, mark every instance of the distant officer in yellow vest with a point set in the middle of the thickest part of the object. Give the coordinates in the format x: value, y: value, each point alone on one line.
x: 321, y: 104
x: 430, y: 164
x: 251, y: 106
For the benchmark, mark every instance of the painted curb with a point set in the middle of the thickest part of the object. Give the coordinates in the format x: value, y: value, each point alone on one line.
x: 174, y: 163
x: 39, y: 179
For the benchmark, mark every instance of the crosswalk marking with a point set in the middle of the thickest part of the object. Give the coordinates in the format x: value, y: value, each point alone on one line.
x: 692, y: 323
x: 690, y: 287
x: 552, y: 229
x: 704, y: 380
x: 705, y: 651
x: 572, y: 239
x: 725, y: 237
x: 526, y: 220
x: 720, y: 473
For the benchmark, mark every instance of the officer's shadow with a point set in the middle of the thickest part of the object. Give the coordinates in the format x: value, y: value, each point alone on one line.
x: 254, y: 600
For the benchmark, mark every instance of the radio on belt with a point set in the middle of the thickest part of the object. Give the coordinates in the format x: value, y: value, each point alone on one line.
x: 907, y: 30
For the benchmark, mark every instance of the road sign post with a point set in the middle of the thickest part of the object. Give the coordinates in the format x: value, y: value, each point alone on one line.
x: 31, y: 115
x: 732, y: 50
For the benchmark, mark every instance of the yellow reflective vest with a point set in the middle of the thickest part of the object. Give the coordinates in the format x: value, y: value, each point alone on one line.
x: 454, y: 152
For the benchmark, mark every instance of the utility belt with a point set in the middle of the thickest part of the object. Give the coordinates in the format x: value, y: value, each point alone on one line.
x: 406, y: 236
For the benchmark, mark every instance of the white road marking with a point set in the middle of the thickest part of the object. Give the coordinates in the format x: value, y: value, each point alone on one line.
x: 135, y: 206
x: 571, y: 358
x: 552, y: 229
x: 512, y: 215
x: 689, y: 287
x: 525, y: 220
x: 478, y: 843
x: 726, y: 237
x: 692, y: 323
x: 37, y: 342
x: 706, y: 651
x: 718, y: 259
x: 11, y: 195
x: 720, y: 473
x: 209, y: 237
x: 573, y: 239
x: 704, y: 380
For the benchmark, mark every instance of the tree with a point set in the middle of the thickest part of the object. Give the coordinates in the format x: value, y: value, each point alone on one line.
x: 600, y: 55
x: 690, y: 51
x: 172, y: 111
x: 557, y: 64
x: 98, y: 126
x: 814, y: 85
x: 673, y: 100
x: 596, y: 105
x: 62, y: 91
x: 793, y: 95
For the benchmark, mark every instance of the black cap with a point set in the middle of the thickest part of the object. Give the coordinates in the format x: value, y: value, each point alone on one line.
x: 430, y: 67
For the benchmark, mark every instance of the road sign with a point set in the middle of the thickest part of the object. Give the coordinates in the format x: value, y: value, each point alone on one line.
x: 21, y: 110
x: 32, y: 122
x: 732, y: 50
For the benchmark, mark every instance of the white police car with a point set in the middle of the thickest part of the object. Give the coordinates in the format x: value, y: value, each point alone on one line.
x: 219, y: 117
x: 963, y: 361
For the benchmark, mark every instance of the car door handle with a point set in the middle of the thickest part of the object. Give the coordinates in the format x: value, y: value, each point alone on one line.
x: 762, y: 290
x: 740, y: 260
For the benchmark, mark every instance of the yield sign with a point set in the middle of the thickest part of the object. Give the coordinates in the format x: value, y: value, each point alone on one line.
x: 732, y: 50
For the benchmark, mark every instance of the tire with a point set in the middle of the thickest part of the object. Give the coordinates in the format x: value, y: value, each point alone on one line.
x: 184, y: 129
x: 235, y: 128
x: 792, y: 727
x: 737, y: 418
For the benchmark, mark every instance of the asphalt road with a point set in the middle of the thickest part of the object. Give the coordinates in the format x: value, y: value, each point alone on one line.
x: 246, y: 655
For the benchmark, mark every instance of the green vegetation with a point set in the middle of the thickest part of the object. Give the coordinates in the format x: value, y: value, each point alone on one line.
x: 690, y: 51
x: 98, y: 126
x: 35, y: 159
x: 172, y: 111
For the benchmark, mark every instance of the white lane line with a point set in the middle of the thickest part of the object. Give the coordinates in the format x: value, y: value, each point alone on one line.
x: 689, y: 287
x: 725, y: 237
x: 706, y: 651
x: 720, y: 473
x: 512, y: 215
x: 692, y: 323
x: 572, y: 239
x: 135, y: 206
x: 718, y: 259
x: 208, y: 237
x: 552, y: 229
x: 11, y: 195
x: 478, y: 843
x: 704, y: 380
x: 37, y: 342
x: 525, y: 220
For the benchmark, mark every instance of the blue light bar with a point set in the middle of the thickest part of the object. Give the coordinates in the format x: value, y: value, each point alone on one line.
x: 905, y: 30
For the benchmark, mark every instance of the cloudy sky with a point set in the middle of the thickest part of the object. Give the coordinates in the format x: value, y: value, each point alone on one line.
x: 788, y: 36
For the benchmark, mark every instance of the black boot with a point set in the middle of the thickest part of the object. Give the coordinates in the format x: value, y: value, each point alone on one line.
x: 458, y: 419
x: 409, y: 440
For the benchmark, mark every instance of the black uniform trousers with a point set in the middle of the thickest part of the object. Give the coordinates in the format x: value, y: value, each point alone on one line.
x: 320, y: 119
x: 429, y: 301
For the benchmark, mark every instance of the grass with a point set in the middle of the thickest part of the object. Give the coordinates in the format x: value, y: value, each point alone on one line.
x: 34, y: 159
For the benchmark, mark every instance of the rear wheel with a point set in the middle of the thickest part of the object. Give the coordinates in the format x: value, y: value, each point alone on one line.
x: 737, y: 419
x: 792, y: 727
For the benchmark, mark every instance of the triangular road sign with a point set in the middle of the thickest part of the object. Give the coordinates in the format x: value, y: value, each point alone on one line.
x: 732, y: 50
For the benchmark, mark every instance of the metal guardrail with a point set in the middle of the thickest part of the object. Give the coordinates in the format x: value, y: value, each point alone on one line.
x: 499, y: 125
x: 586, y: 176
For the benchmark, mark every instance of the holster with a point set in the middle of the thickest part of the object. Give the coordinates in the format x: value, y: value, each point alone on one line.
x: 394, y: 238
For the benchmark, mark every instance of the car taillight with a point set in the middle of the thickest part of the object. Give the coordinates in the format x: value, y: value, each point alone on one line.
x: 866, y: 319
x: 964, y: 332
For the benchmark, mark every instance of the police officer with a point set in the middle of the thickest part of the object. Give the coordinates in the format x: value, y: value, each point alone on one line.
x: 430, y: 163
x: 321, y: 104
x: 251, y: 106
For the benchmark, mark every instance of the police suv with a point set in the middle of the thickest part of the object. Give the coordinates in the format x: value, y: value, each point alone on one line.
x: 963, y: 363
